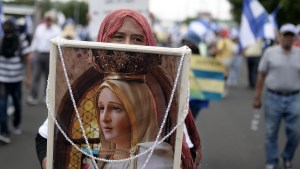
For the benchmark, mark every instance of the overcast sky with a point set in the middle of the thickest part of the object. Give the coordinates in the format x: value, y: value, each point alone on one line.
x: 180, y: 9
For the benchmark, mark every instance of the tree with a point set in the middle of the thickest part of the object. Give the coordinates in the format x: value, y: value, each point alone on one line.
x: 76, y: 10
x: 73, y: 9
x: 288, y: 13
x: 20, y: 2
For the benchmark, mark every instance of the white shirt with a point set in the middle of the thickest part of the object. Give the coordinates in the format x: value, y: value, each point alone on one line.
x: 42, y: 37
x: 43, y: 130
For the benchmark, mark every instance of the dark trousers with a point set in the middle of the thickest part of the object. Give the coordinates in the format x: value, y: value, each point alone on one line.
x: 40, y: 68
x: 197, y: 105
x: 14, y: 90
x: 252, y: 63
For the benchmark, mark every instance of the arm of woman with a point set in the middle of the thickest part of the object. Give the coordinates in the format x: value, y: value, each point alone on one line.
x: 41, y: 143
x: 41, y: 149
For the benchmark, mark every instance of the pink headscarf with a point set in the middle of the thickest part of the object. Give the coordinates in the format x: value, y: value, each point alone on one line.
x: 114, y: 20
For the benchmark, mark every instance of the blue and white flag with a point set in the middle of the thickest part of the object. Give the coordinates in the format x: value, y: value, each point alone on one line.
x: 201, y: 28
x: 255, y: 23
x: 273, y: 15
x: 29, y: 24
x: 272, y: 25
x: 1, y: 14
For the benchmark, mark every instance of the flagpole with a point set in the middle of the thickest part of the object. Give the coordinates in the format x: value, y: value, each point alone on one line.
x: 1, y: 30
x: 218, y: 9
x: 37, y: 14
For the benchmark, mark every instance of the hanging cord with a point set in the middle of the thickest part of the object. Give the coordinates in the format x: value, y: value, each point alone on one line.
x: 74, y: 103
x: 169, y: 105
x: 79, y: 119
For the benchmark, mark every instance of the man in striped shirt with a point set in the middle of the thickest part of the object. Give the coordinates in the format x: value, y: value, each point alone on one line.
x: 14, y: 51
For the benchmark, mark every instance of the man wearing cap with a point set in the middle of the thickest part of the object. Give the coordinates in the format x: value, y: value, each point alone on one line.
x: 279, y: 69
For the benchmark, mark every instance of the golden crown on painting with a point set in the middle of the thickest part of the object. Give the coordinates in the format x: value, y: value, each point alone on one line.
x: 121, y: 62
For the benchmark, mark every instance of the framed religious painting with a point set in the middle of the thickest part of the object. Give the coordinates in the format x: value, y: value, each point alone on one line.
x: 115, y: 105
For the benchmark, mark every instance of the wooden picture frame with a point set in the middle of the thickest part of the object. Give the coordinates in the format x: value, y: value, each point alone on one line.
x: 83, y: 81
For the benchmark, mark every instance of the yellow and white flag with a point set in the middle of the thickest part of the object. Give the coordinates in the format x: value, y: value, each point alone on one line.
x: 206, y: 78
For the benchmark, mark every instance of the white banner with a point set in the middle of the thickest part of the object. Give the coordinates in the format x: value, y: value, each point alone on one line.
x: 98, y: 9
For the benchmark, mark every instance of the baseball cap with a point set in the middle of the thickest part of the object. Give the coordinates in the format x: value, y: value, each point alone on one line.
x: 192, y: 37
x: 288, y: 28
x: 49, y: 15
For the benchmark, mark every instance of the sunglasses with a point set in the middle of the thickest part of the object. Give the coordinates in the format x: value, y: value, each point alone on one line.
x: 288, y: 34
x: 48, y: 19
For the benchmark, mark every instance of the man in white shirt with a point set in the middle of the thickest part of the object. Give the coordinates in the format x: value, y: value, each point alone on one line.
x: 41, y: 46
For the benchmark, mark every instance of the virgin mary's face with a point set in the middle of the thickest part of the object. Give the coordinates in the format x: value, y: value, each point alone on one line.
x: 114, y: 120
x: 130, y: 32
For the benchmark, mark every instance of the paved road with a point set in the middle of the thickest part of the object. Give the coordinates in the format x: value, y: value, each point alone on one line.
x: 227, y: 141
x: 20, y: 153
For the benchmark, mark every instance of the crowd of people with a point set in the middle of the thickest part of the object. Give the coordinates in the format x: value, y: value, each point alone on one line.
x: 24, y: 57
x: 273, y: 63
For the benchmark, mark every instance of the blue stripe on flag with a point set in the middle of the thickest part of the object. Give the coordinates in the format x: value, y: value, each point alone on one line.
x: 200, y: 27
x: 248, y: 13
x: 212, y: 95
x: 205, y: 23
x: 1, y: 30
x: 257, y: 23
x: 208, y: 74
x: 274, y: 15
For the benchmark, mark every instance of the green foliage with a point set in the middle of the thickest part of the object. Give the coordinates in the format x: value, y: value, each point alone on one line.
x: 237, y: 6
x: 288, y: 13
x: 21, y: 2
x: 75, y: 10
x: 189, y: 19
x: 45, y: 6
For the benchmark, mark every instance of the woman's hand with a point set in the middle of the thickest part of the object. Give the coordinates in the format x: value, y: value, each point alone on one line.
x: 44, y: 163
